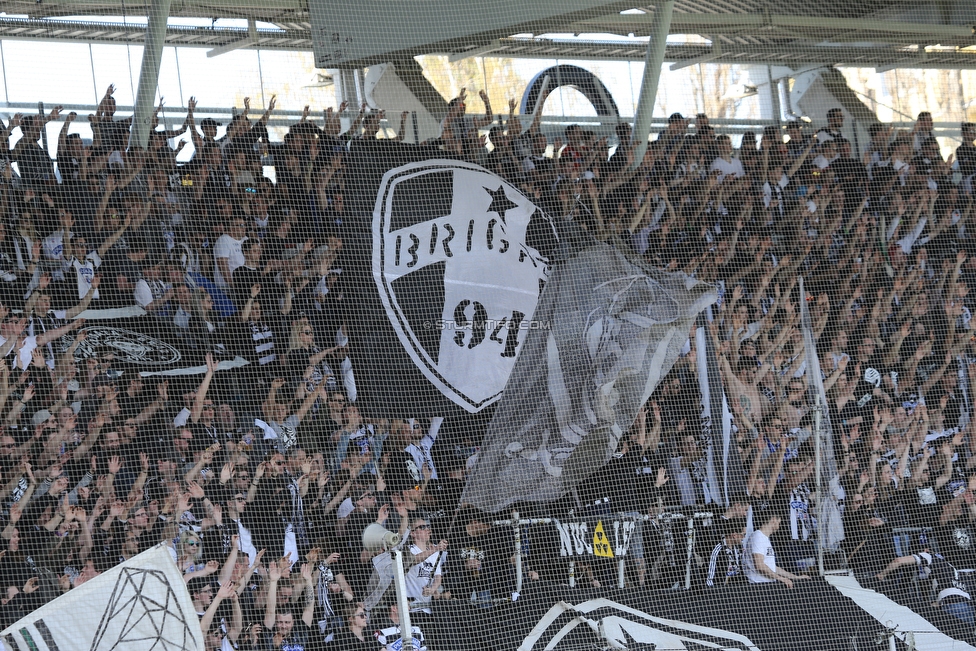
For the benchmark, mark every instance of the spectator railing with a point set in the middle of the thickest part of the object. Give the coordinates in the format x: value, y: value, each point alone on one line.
x: 516, y: 523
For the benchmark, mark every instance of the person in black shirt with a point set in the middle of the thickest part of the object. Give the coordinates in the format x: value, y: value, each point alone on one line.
x: 478, y: 561
x: 966, y: 154
x: 32, y: 160
x: 354, y: 637
x: 635, y: 479
x: 725, y: 560
x: 835, y: 122
x: 250, y: 273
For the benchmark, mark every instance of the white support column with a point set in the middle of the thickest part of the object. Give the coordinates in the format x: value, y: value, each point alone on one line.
x: 152, y: 55
x: 653, y: 60
x: 403, y: 606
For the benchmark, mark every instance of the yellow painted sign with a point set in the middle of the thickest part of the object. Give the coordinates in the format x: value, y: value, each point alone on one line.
x: 601, y: 545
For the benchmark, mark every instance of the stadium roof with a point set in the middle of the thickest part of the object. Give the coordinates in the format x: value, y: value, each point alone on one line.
x: 866, y: 33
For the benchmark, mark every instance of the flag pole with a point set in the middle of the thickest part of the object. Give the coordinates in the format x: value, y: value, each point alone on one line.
x: 818, y: 437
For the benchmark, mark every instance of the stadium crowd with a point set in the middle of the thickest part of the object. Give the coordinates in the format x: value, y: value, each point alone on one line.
x: 262, y: 479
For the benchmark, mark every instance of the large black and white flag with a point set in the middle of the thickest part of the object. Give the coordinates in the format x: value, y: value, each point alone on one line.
x: 448, y: 261
x: 606, y: 332
x: 830, y: 519
x: 726, y: 477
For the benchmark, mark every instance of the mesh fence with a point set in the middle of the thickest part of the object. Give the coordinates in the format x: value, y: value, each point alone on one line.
x: 398, y: 285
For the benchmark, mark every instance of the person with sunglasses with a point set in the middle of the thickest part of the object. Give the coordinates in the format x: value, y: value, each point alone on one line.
x: 423, y: 579
x: 354, y: 636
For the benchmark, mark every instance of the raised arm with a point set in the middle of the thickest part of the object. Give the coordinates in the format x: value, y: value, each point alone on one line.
x: 114, y: 237
x: 201, y: 395
x: 309, y: 595
x: 63, y: 134
x: 83, y: 304
x: 227, y: 591
x: 267, y: 112
x: 191, y: 126
x: 270, y: 609
x: 488, y: 117
x: 309, y: 401
x: 801, y: 158
x: 57, y: 333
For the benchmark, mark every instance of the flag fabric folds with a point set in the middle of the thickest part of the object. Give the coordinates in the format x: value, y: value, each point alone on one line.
x: 605, y: 332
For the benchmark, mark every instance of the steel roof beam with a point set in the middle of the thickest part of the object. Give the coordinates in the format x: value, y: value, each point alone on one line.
x: 722, y: 23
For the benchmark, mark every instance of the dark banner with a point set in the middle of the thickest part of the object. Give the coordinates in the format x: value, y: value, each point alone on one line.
x: 813, y: 615
x: 143, y: 343
x: 446, y: 263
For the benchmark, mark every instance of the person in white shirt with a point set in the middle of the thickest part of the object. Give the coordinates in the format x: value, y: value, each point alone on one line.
x: 760, y: 558
x: 420, y: 447
x: 423, y: 579
x: 724, y: 164
x: 228, y: 253
x: 152, y: 293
